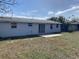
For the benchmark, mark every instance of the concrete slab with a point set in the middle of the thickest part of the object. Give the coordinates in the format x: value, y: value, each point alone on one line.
x: 51, y: 35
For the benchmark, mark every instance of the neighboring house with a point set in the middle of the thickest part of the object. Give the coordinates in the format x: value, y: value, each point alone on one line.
x: 70, y: 27
x: 64, y: 27
x: 78, y: 26
x: 14, y: 26
x: 73, y: 27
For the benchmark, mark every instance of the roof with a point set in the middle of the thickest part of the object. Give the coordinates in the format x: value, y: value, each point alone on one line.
x: 25, y: 20
x: 75, y: 23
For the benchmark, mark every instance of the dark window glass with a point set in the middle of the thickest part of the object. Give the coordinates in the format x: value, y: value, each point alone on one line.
x: 51, y: 26
x: 57, y: 25
x: 13, y: 25
x: 29, y: 24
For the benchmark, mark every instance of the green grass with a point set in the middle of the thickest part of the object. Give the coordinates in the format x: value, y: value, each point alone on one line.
x: 63, y: 47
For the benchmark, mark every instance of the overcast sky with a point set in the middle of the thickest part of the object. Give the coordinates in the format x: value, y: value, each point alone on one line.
x: 46, y: 8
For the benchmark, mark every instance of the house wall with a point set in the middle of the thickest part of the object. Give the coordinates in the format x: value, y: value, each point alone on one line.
x: 53, y: 30
x: 69, y: 27
x: 73, y: 27
x: 23, y: 29
x: 78, y: 27
x: 64, y: 27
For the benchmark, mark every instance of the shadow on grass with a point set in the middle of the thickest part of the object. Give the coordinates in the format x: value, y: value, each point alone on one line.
x: 19, y: 37
x: 25, y: 37
x: 72, y: 31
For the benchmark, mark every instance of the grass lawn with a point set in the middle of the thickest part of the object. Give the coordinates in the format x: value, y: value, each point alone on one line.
x: 64, y: 47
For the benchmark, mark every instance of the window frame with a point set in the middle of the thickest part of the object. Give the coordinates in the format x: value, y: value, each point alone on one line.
x: 13, y: 25
x: 30, y: 24
x: 51, y: 26
x: 57, y: 25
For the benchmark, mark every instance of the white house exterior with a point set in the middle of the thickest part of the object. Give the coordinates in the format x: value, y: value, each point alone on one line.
x: 14, y: 26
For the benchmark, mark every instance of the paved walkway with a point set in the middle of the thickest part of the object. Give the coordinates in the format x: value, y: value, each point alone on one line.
x: 51, y: 35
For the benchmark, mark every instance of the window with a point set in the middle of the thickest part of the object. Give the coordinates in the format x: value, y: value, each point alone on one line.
x: 13, y: 25
x: 51, y: 27
x: 29, y: 24
x: 57, y: 25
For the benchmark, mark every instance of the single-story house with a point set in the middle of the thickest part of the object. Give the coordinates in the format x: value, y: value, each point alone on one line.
x: 74, y: 26
x: 78, y: 26
x: 15, y: 26
x: 64, y: 27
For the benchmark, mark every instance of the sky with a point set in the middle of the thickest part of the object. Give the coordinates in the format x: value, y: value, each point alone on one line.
x: 46, y: 8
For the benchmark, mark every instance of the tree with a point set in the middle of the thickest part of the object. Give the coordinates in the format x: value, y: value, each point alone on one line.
x: 53, y: 18
x: 75, y: 20
x: 5, y: 5
x: 61, y: 19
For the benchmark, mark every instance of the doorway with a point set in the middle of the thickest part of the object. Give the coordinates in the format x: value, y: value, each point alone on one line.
x: 41, y: 28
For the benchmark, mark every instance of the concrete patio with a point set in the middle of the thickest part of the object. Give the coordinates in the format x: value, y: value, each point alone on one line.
x: 51, y: 35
